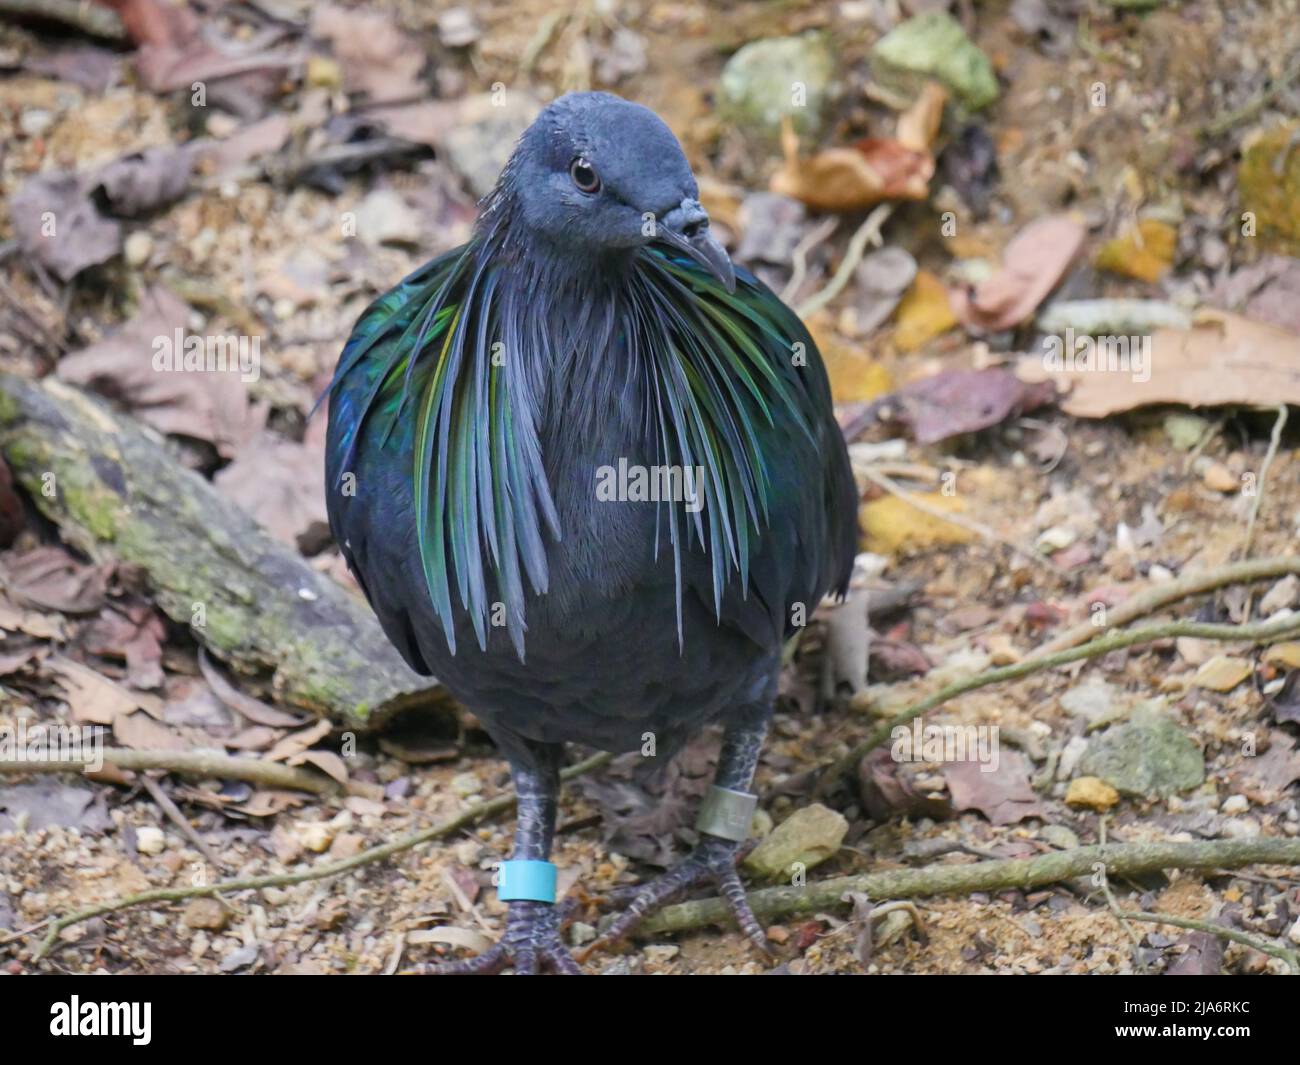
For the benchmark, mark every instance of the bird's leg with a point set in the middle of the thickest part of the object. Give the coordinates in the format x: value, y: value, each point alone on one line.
x: 723, y: 825
x: 531, y: 941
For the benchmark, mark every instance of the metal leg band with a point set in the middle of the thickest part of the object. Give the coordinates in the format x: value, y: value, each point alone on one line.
x: 726, y: 814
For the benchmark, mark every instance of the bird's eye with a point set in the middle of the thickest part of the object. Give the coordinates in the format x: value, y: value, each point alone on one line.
x: 584, y: 176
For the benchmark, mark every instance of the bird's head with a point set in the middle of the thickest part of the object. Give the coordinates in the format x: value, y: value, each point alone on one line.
x: 596, y: 174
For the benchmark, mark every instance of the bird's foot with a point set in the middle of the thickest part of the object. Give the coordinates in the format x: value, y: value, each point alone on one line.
x: 531, y: 944
x: 713, y: 859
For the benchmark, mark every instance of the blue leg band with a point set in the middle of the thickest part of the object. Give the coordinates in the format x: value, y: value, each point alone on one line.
x: 527, y: 880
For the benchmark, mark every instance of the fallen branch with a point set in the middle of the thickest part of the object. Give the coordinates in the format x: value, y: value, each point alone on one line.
x: 470, y: 816
x: 1162, y: 595
x: 195, y: 764
x: 1262, y: 633
x: 96, y: 20
x: 1118, y: 860
x: 121, y: 494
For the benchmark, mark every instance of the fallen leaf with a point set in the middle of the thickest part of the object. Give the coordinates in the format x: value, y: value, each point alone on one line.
x: 277, y: 481
x: 464, y: 938
x: 953, y: 402
x: 58, y: 225
x: 141, y: 732
x: 1145, y: 251
x: 918, y: 126
x: 32, y: 623
x: 1266, y: 291
x: 881, y: 279
x: 210, y: 406
x: 297, y: 742
x: 49, y: 578
x: 326, y: 761
x: 134, y: 634
x: 924, y: 313
x: 50, y: 802
x: 890, y: 525
x: 1223, y: 360
x: 1003, y: 796
x: 1033, y: 263
x: 378, y: 58
x: 850, y: 179
x: 225, y: 158
x: 141, y: 182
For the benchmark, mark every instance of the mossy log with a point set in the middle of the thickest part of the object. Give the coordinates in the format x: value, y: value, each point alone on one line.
x: 119, y: 492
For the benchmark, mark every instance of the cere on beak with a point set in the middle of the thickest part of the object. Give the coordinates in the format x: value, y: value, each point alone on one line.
x: 686, y: 228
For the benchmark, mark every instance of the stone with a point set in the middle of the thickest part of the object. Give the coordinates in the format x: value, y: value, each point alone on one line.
x: 205, y: 913
x: 780, y: 77
x: 934, y: 45
x: 1091, y: 792
x: 480, y: 143
x: 806, y: 838
x: 384, y: 217
x: 1147, y: 756
x: 1222, y: 673
x: 1282, y: 596
x: 150, y: 840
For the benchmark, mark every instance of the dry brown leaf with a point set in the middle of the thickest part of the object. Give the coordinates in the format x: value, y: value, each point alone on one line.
x: 326, y: 761
x: 1223, y: 359
x: 378, y: 58
x: 253, y: 738
x: 208, y: 406
x: 850, y: 179
x: 142, y: 733
x: 42, y: 626
x: 297, y: 742
x: 48, y: 578
x: 276, y: 481
x: 1032, y: 265
x: 94, y: 698
x: 918, y: 126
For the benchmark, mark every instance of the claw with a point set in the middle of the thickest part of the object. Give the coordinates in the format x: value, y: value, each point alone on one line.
x: 530, y: 945
x: 714, y: 859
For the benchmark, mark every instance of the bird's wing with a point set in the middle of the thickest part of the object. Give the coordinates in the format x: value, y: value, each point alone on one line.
x: 369, y: 448
x: 772, y: 431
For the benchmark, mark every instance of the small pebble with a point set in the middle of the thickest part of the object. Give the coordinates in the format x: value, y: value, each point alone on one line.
x: 150, y: 840
x: 1235, y: 804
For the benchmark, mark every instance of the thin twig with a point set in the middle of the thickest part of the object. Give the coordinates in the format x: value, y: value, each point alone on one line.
x: 1161, y: 595
x: 470, y: 816
x: 1291, y: 957
x: 200, y: 764
x: 1262, y: 633
x: 1254, y: 105
x: 1260, y: 482
x: 869, y: 231
x: 178, y: 819
x: 947, y: 878
x: 961, y: 521
x: 799, y: 257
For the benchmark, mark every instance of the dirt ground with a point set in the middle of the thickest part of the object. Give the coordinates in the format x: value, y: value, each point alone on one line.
x: 1117, y: 503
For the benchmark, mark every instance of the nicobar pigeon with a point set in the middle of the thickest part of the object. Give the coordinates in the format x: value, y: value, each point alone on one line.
x: 494, y: 421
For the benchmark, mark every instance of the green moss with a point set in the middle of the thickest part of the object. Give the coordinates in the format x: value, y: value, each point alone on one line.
x: 1269, y: 180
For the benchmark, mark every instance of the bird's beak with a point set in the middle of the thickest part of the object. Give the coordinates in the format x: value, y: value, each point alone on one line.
x: 686, y: 228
